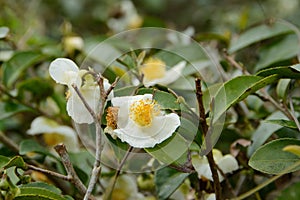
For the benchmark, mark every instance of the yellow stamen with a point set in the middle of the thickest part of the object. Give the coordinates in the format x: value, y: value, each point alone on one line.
x: 143, y: 111
x: 153, y: 68
x: 111, y: 117
x: 68, y: 94
x: 53, y: 139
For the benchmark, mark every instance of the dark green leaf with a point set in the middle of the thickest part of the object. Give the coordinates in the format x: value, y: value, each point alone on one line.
x: 271, y: 159
x: 37, y: 193
x: 38, y: 88
x: 283, y: 50
x: 282, y: 122
x: 290, y: 193
x: 283, y: 72
x: 257, y: 34
x: 167, y: 180
x: 164, y: 99
x: 237, y: 89
x: 44, y: 185
x: 171, y: 150
x: 27, y: 146
x: 8, y: 109
x: 282, y: 88
x: 14, y: 67
x: 264, y: 131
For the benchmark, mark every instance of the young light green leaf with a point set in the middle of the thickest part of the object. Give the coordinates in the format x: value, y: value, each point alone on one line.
x: 282, y: 71
x: 3, y: 161
x: 16, y: 161
x: 271, y: 159
x: 283, y: 50
x: 294, y: 149
x: 257, y: 34
x: 167, y: 180
x: 14, y: 67
x: 3, y: 32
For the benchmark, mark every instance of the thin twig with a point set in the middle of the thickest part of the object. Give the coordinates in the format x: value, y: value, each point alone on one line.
x: 51, y: 173
x: 62, y: 152
x: 293, y: 113
x: 204, y: 126
x: 111, y: 188
x: 8, y: 142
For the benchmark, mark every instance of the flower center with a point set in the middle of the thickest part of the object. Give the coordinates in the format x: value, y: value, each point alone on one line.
x: 153, y: 68
x: 143, y: 111
x: 53, y: 139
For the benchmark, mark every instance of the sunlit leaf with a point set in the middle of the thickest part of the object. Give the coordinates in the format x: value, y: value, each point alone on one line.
x: 257, y: 34
x: 3, y: 161
x: 271, y: 159
x: 282, y: 71
x: 167, y: 180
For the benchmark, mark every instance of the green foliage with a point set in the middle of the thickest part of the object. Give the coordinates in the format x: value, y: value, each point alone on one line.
x: 271, y: 159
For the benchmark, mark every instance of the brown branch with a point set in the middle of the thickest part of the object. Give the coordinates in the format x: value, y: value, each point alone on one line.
x: 51, y: 173
x: 72, y: 176
x: 9, y: 143
x: 204, y: 126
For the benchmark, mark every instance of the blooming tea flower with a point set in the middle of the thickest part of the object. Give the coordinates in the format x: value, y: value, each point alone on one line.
x: 140, y: 121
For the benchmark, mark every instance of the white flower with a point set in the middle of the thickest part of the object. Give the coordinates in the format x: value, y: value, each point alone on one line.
x: 128, y: 19
x: 72, y: 43
x: 140, y: 121
x: 155, y: 72
x: 226, y: 163
x: 66, y: 72
x: 53, y: 133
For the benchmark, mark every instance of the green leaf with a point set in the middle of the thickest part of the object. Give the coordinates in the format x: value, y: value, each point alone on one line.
x: 282, y: 88
x: 290, y: 193
x: 35, y: 193
x: 38, y: 88
x: 283, y: 50
x: 3, y: 32
x: 271, y: 159
x: 3, y: 161
x: 15, y: 66
x: 27, y: 146
x: 257, y: 34
x: 237, y: 89
x: 8, y: 109
x: 167, y: 151
x: 283, y: 122
x: 282, y: 71
x: 164, y: 99
x: 264, y: 131
x: 167, y: 180
x: 44, y: 185
x: 16, y: 161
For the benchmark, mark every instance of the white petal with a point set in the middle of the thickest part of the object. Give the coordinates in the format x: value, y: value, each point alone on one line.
x: 42, y: 125
x: 227, y: 164
x: 171, y: 75
x: 76, y: 108
x: 106, y: 87
x: 202, y: 167
x: 64, y: 71
x: 161, y: 128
